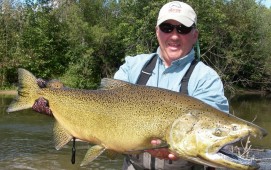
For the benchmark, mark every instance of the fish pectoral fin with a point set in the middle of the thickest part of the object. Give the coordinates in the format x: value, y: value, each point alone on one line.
x: 61, y: 136
x: 92, y: 154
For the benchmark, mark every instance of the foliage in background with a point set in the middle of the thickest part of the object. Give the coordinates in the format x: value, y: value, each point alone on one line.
x: 82, y: 41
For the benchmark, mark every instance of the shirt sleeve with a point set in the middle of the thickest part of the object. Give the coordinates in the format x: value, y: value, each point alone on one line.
x: 132, y: 67
x: 209, y: 89
x: 123, y: 72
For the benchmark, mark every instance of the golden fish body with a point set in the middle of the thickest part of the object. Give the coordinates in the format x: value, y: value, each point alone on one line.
x: 124, y: 118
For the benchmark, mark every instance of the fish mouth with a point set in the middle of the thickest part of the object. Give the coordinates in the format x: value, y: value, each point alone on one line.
x: 228, y: 155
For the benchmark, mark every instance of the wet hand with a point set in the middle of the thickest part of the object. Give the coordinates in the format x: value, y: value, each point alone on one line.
x: 41, y: 83
x: 41, y: 105
x: 162, y: 153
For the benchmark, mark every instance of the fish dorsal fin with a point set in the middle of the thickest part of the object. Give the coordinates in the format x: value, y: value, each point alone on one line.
x: 61, y: 136
x: 108, y: 83
x: 92, y: 154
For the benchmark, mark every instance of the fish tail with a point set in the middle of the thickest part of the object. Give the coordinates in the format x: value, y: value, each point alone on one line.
x: 27, y: 91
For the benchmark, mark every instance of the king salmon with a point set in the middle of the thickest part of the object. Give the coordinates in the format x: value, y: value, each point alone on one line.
x: 124, y: 118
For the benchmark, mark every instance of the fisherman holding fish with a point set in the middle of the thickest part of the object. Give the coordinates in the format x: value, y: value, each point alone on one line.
x: 148, y: 115
x: 174, y: 59
x: 173, y: 67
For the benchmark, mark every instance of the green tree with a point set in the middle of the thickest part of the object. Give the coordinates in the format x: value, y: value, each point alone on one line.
x: 44, y: 43
x: 95, y: 49
x: 83, y: 41
x: 231, y: 36
x: 10, y: 33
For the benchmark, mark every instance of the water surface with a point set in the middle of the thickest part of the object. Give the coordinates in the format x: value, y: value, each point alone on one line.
x: 27, y: 143
x: 255, y: 108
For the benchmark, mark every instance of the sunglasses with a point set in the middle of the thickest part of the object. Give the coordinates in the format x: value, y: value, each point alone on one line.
x: 181, y: 29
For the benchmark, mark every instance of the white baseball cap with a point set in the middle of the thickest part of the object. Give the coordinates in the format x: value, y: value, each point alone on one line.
x: 178, y: 11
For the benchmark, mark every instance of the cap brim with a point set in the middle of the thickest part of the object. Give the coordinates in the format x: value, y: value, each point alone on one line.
x: 181, y: 19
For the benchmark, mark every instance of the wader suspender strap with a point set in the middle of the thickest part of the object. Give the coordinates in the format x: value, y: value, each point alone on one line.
x: 146, y: 71
x: 185, y: 79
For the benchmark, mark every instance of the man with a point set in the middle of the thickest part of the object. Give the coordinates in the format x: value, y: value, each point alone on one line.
x: 177, y: 34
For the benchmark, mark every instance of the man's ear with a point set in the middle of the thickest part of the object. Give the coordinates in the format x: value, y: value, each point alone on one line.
x: 195, y: 35
x: 156, y: 30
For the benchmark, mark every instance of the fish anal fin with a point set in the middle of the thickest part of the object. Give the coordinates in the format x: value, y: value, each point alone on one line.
x: 92, y: 154
x: 108, y: 83
x: 61, y: 136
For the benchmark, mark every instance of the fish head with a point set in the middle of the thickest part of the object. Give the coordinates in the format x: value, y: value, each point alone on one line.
x: 201, y: 137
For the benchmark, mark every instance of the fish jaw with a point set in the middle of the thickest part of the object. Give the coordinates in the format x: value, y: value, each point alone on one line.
x: 204, y: 143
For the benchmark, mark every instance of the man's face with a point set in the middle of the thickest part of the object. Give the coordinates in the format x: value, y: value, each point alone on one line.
x: 174, y: 45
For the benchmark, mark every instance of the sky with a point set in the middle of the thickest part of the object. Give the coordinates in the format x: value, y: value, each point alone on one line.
x: 267, y: 3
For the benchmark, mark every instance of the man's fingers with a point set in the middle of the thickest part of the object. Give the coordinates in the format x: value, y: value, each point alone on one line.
x: 41, y: 105
x: 162, y: 153
x: 156, y: 142
x: 41, y: 83
x: 172, y: 157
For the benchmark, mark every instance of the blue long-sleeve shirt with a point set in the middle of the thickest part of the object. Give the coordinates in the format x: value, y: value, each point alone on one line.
x: 204, y: 83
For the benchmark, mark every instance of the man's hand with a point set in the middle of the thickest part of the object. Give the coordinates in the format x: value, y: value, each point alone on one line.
x: 41, y: 105
x: 162, y: 153
x: 41, y: 83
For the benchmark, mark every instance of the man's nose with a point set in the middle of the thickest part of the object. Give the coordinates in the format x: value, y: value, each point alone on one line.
x: 175, y: 34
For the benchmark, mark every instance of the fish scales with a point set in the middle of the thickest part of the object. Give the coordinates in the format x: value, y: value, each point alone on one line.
x: 96, y: 107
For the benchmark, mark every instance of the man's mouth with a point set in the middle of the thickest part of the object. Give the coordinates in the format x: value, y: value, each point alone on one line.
x: 174, y: 45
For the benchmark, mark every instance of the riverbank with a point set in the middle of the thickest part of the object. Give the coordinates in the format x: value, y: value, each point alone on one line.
x: 8, y: 92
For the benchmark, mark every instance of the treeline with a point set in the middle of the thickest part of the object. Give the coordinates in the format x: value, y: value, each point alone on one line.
x: 81, y: 41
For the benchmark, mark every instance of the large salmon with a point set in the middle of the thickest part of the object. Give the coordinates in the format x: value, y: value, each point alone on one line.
x: 123, y: 117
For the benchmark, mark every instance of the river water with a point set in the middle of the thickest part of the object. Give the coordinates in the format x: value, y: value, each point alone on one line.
x: 27, y: 142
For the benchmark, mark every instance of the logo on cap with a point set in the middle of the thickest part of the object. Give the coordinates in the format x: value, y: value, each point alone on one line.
x: 175, y: 8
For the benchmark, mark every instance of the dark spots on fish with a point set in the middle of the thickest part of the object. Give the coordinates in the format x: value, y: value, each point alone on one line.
x: 217, y: 132
x: 234, y: 128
